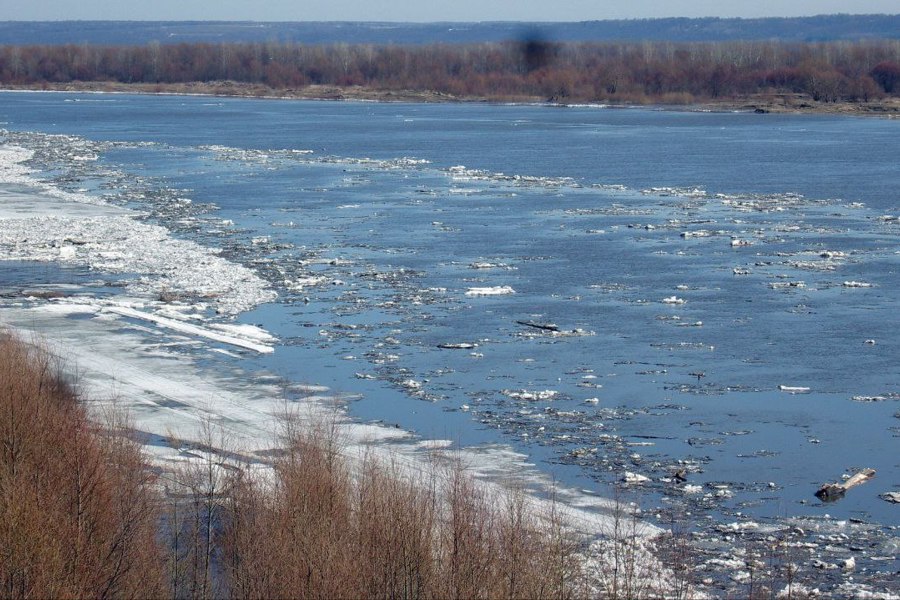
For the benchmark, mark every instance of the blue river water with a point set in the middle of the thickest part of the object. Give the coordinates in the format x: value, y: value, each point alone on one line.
x: 714, y: 292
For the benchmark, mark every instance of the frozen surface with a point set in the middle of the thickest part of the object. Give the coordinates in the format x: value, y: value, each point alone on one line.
x: 242, y: 336
x: 38, y: 224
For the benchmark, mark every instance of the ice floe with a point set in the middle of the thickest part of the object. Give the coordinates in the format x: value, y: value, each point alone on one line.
x: 483, y: 264
x: 787, y: 285
x: 531, y: 395
x: 500, y: 290
x: 634, y: 478
x: 794, y: 389
x: 113, y: 240
x: 462, y: 173
x: 684, y: 192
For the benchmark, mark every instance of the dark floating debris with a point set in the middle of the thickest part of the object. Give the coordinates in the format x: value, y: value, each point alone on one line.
x: 552, y: 329
x: 542, y: 326
x: 834, y: 491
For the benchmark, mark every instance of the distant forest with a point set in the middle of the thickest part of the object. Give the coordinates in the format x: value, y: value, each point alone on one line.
x: 821, y: 28
x: 565, y: 72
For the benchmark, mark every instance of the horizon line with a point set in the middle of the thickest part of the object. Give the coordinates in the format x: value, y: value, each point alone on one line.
x: 449, y: 22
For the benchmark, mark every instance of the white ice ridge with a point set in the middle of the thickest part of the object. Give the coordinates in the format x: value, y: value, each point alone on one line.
x: 238, y: 337
x: 34, y: 226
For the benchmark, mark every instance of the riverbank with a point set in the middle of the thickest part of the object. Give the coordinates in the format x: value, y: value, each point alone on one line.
x: 782, y: 103
x: 320, y: 523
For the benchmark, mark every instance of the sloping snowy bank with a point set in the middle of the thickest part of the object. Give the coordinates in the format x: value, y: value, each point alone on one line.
x: 169, y: 398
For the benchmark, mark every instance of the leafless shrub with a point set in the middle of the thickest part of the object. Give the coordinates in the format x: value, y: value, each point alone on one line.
x: 632, y: 561
x: 77, y: 516
x: 675, y: 551
x: 394, y: 533
x: 329, y: 526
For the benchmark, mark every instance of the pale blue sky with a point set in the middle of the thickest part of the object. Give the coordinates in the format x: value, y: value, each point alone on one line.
x: 425, y: 10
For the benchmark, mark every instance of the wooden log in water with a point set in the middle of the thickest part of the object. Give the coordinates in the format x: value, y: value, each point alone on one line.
x: 833, y: 491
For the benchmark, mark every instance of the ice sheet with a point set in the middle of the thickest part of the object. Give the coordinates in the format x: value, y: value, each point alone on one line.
x: 40, y: 223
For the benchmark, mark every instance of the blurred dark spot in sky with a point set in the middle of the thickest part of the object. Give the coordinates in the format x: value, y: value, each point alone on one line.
x: 537, y: 51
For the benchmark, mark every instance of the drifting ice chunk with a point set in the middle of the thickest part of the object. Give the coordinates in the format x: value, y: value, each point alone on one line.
x: 411, y: 384
x: 634, y: 478
x: 786, y: 285
x: 458, y: 346
x: 527, y: 395
x: 481, y: 264
x: 791, y: 389
x: 500, y: 290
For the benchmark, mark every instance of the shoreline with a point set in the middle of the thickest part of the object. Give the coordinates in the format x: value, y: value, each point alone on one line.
x: 120, y: 361
x: 776, y: 103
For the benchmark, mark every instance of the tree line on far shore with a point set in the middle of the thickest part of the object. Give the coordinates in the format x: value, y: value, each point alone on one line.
x: 564, y: 72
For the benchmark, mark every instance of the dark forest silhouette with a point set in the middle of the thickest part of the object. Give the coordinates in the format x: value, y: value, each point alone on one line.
x: 566, y: 72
